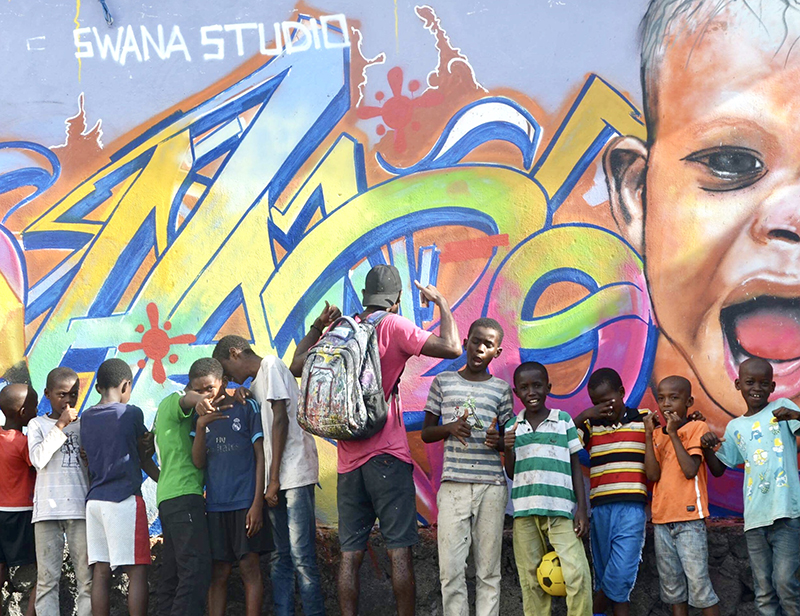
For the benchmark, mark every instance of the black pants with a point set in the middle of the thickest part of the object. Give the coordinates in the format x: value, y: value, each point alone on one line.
x: 185, y: 571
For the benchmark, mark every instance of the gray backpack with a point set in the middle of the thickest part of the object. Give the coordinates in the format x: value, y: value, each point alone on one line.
x: 341, y: 392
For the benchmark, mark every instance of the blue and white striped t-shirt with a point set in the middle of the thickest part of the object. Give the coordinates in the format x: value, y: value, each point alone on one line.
x: 450, y: 395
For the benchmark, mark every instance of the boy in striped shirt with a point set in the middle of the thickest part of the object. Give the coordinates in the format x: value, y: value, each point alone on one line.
x: 614, y: 436
x: 473, y: 496
x: 541, y: 448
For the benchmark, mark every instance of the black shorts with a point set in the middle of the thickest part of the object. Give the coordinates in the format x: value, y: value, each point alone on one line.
x: 382, y: 488
x: 17, y: 546
x: 227, y: 534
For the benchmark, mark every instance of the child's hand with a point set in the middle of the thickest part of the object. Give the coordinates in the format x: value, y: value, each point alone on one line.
x: 581, y: 522
x: 206, y: 405
x: 271, y: 495
x: 492, y: 435
x: 241, y: 395
x: 68, y: 415
x: 509, y: 438
x: 696, y: 416
x: 254, y: 520
x: 210, y: 417
x: 651, y: 422
x: 784, y: 414
x: 83, y: 457
x: 600, y: 412
x: 710, y: 441
x: 147, y: 444
x: 460, y: 429
x: 673, y: 422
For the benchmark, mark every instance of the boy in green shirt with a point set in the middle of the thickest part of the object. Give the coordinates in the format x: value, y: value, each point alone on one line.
x: 185, y: 572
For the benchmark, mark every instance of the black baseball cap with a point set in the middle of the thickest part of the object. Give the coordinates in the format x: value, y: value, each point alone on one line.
x: 382, y: 287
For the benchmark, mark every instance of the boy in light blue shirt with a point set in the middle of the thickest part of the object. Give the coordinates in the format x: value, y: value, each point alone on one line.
x: 763, y: 439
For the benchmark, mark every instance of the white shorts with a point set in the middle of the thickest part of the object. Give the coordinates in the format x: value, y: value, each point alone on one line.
x: 118, y: 533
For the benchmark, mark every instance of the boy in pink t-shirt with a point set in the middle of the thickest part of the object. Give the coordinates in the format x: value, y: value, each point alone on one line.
x: 376, y: 474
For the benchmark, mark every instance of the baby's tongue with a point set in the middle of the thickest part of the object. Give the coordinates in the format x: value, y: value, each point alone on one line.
x: 770, y: 333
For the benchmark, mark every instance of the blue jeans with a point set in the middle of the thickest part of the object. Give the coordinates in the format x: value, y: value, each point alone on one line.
x: 294, y: 531
x: 775, y: 559
x: 682, y: 560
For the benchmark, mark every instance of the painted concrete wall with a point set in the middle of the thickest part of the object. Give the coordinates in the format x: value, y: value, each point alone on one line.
x: 206, y: 168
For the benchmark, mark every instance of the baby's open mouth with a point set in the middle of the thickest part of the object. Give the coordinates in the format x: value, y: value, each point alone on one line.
x: 767, y: 327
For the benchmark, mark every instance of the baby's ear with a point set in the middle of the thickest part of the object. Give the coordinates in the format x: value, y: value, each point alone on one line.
x: 625, y: 165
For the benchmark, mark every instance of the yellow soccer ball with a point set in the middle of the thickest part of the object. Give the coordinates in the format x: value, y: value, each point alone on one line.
x: 550, y: 576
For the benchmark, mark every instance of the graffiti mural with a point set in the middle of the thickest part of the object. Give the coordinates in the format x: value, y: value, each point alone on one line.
x: 248, y: 205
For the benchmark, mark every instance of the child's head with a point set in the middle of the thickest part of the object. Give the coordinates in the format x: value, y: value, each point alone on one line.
x: 710, y: 201
x: 205, y: 377
x: 483, y: 344
x: 19, y: 403
x: 605, y: 385
x: 755, y: 382
x: 674, y: 395
x: 61, y: 389
x: 382, y: 288
x: 115, y: 375
x: 236, y: 357
x: 532, y: 385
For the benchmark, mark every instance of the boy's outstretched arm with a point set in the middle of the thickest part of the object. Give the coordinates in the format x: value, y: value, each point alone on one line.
x: 280, y: 431
x: 146, y: 452
x: 651, y: 466
x: 255, y: 520
x: 709, y: 442
x: 329, y: 315
x: 447, y: 344
x: 581, y: 522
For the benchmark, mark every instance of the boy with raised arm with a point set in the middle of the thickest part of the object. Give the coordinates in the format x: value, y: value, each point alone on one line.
x: 763, y: 439
x: 673, y: 461
x: 228, y: 445
x: 471, y: 404
x: 59, y: 502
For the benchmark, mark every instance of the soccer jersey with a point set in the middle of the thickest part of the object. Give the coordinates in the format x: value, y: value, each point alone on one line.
x: 110, y: 437
x: 616, y: 453
x: 767, y: 449
x: 484, y: 401
x: 542, y: 468
x: 230, y: 459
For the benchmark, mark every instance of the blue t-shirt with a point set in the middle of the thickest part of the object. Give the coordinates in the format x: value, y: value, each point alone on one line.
x: 767, y: 448
x: 230, y: 458
x: 110, y: 435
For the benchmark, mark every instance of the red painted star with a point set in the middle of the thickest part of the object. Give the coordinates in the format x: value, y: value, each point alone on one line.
x: 156, y: 344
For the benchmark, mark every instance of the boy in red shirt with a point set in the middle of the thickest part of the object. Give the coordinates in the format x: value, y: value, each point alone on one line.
x: 17, y: 479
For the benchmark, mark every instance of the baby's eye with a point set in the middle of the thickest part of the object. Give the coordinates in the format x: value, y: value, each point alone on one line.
x: 730, y: 168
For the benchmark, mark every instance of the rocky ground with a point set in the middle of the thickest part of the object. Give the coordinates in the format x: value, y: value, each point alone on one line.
x: 730, y: 573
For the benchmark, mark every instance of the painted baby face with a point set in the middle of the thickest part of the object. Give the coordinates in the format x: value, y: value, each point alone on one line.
x: 722, y: 199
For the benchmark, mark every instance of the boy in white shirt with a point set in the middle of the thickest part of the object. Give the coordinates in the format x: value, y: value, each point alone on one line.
x: 59, y: 501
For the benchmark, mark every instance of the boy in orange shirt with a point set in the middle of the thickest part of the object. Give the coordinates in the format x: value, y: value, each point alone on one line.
x: 674, y: 462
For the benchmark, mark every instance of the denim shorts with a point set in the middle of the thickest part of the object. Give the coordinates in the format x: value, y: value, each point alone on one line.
x: 382, y: 488
x: 682, y: 559
x: 617, y: 533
